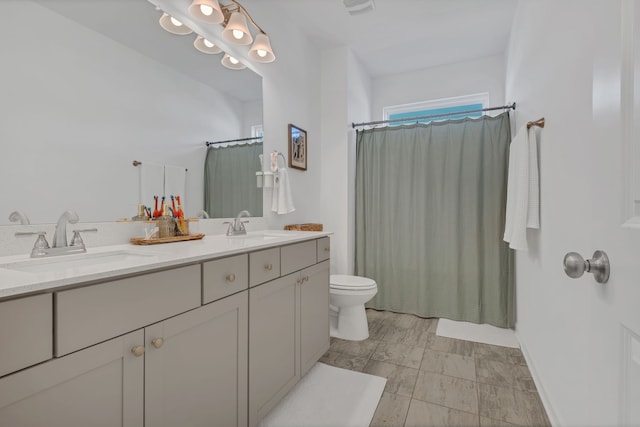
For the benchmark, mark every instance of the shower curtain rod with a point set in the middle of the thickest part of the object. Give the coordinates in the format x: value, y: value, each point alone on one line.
x: 233, y: 140
x: 504, y: 107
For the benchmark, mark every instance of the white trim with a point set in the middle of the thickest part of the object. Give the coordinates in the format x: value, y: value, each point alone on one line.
x: 544, y: 397
x: 630, y: 96
x: 477, y: 98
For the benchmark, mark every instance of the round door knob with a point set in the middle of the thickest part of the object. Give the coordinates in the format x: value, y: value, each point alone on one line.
x: 575, y: 266
x: 231, y: 278
x: 157, y: 342
x: 268, y: 267
x: 137, y: 350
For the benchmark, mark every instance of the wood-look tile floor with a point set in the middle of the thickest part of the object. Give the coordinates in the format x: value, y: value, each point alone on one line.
x: 438, y: 381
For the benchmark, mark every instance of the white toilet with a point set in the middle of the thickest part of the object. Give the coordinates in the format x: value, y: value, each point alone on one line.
x: 347, y: 296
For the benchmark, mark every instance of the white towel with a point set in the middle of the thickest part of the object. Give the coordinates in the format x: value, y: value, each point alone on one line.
x: 151, y: 182
x: 523, y: 198
x: 175, y: 181
x: 281, y: 200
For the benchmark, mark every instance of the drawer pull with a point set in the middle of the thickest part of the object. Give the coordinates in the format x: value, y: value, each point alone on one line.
x: 268, y: 267
x: 137, y: 350
x: 305, y: 278
x: 326, y: 249
x: 157, y: 342
x: 231, y: 278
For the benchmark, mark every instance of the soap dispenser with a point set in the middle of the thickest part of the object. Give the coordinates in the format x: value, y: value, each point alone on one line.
x: 166, y: 223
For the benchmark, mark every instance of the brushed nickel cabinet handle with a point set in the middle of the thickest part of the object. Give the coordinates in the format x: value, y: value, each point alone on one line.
x: 157, y: 342
x: 326, y: 249
x: 268, y: 267
x: 137, y: 350
x: 231, y: 278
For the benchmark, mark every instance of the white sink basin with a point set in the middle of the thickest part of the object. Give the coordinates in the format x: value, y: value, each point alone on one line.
x: 75, y: 262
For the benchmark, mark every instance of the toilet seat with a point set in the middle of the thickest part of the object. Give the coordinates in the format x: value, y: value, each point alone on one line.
x: 351, y: 283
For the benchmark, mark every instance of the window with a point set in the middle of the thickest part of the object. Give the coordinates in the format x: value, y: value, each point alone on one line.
x: 437, y: 106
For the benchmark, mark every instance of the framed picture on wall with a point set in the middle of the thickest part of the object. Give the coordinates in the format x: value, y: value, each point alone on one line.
x: 297, y: 148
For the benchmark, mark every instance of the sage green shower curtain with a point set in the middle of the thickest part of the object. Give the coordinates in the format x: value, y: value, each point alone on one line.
x: 230, y: 180
x: 430, y: 213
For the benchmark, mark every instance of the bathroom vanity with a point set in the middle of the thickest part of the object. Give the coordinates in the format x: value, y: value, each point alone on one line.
x: 211, y: 332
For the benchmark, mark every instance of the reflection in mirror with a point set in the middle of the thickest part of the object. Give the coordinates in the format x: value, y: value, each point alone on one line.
x: 235, y: 164
x: 93, y: 85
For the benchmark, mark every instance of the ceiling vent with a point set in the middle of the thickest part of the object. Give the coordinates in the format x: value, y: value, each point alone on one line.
x: 357, y: 7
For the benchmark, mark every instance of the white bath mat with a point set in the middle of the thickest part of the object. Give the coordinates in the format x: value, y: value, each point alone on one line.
x: 328, y: 397
x: 483, y: 333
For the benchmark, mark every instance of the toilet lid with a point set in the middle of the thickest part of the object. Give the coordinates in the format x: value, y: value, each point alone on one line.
x: 343, y: 281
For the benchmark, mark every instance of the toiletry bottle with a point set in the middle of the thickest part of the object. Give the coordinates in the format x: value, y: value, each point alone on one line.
x: 166, y: 223
x: 141, y: 215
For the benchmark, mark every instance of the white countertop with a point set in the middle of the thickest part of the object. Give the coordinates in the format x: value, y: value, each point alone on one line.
x: 130, y: 259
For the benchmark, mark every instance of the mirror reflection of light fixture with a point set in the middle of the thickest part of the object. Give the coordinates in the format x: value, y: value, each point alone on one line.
x: 235, y: 20
x: 237, y: 30
x: 261, y: 50
x: 232, y: 63
x: 207, y: 11
x: 205, y: 46
x: 173, y: 25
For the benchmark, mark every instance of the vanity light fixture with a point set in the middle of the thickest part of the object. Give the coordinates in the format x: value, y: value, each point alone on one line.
x: 261, y: 50
x: 232, y: 63
x: 173, y: 25
x: 207, y: 10
x: 237, y: 29
x: 235, y: 19
x: 205, y: 46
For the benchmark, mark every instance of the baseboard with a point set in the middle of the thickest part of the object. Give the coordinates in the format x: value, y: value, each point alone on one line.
x: 544, y: 397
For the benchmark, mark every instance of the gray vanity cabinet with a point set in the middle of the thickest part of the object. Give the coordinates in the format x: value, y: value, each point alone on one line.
x: 216, y: 343
x: 196, y: 367
x: 274, y: 366
x: 314, y: 314
x: 101, y: 386
x: 288, y: 327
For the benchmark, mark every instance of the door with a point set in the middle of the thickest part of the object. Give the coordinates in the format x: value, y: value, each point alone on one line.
x: 100, y: 386
x: 614, y: 348
x: 314, y: 314
x: 196, y: 367
x: 274, y: 365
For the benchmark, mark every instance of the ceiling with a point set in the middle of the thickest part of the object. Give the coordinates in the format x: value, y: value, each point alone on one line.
x: 397, y: 36
x: 403, y: 35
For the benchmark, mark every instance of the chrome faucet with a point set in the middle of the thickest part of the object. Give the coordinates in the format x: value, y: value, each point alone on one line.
x: 60, y: 236
x: 19, y: 216
x: 237, y: 226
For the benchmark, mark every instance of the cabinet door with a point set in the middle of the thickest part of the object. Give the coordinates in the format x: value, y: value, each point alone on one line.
x: 99, y: 386
x: 314, y: 314
x: 196, y: 367
x: 274, y: 365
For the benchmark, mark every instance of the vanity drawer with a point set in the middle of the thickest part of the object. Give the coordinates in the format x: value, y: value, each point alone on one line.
x: 88, y: 315
x: 297, y: 256
x: 26, y: 332
x: 324, y: 248
x: 224, y: 277
x: 264, y: 266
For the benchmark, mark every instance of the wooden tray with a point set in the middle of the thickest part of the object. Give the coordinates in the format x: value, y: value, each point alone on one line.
x: 304, y: 227
x: 155, y: 241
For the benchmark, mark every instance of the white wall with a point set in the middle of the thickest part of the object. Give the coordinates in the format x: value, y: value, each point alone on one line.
x: 462, y: 78
x: 291, y: 94
x: 346, y: 89
x: 562, y: 66
x: 78, y: 108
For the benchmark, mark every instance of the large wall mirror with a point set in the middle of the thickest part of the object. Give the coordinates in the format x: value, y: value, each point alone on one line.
x: 90, y: 86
